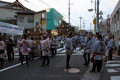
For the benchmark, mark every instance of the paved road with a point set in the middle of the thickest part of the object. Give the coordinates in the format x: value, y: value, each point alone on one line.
x: 56, y: 70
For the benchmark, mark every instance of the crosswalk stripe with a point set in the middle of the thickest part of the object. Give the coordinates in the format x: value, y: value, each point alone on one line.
x: 112, y: 65
x: 115, y: 77
x: 60, y: 49
x: 112, y: 70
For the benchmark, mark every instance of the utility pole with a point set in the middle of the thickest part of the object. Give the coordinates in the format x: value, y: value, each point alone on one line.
x: 98, y: 16
x: 80, y: 22
x: 90, y: 26
x: 69, y: 12
x: 95, y: 16
x: 83, y: 24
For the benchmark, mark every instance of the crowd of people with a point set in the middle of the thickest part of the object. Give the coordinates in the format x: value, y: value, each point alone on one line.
x: 94, y: 45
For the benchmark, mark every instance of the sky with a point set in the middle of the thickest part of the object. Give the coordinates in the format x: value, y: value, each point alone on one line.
x: 78, y: 8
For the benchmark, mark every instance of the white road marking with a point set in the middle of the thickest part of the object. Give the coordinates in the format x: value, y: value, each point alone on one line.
x: 112, y: 65
x: 112, y: 61
x: 112, y: 70
x: 60, y: 49
x: 77, y: 48
x: 14, y: 66
x: 115, y: 77
x: 65, y: 54
x: 16, y: 54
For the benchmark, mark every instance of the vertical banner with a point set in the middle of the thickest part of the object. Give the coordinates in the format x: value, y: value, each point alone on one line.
x: 108, y: 25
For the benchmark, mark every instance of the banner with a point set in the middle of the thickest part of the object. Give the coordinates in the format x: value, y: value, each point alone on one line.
x: 11, y: 29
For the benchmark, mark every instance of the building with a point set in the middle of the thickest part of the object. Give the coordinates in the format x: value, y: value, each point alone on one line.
x: 26, y: 19
x: 8, y: 11
x: 17, y: 14
x: 115, y: 22
x: 103, y: 27
x: 47, y: 20
x: 43, y: 20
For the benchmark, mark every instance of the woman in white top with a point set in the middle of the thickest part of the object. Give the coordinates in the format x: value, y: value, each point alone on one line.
x: 45, y: 51
x: 25, y: 49
x: 2, y: 52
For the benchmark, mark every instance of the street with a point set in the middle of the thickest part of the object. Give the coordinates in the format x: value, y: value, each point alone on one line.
x: 56, y: 69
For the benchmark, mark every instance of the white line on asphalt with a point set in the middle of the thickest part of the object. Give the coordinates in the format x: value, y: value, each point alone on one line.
x: 16, y: 54
x: 63, y: 51
x: 112, y: 61
x: 60, y: 49
x: 14, y: 66
x: 112, y: 65
x: 77, y: 48
x: 112, y: 70
x: 115, y: 77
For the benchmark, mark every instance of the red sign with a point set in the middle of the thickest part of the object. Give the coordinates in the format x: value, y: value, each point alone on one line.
x: 108, y: 25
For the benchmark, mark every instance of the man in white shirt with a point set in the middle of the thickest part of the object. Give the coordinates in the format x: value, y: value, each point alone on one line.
x: 69, y: 49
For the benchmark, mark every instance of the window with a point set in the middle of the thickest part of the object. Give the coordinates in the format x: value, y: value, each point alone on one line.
x: 21, y: 19
x: 37, y: 23
x: 30, y: 19
x: 43, y: 15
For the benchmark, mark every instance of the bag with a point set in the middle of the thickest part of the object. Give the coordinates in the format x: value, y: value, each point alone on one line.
x: 106, y: 58
x: 2, y: 51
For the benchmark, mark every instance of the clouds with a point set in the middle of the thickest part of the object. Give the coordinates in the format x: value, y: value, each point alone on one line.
x: 79, y: 7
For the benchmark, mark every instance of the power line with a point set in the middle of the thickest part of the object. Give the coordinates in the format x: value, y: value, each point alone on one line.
x: 48, y: 6
x: 32, y: 4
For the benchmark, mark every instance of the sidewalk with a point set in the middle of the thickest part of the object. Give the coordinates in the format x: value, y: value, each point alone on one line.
x: 91, y: 76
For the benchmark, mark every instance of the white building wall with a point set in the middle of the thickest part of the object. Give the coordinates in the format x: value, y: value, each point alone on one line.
x: 25, y: 23
x: 115, y: 24
x: 37, y: 18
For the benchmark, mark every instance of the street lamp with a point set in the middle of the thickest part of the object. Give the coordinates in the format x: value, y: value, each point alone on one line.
x: 90, y: 10
x: 63, y: 18
x: 47, y: 10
